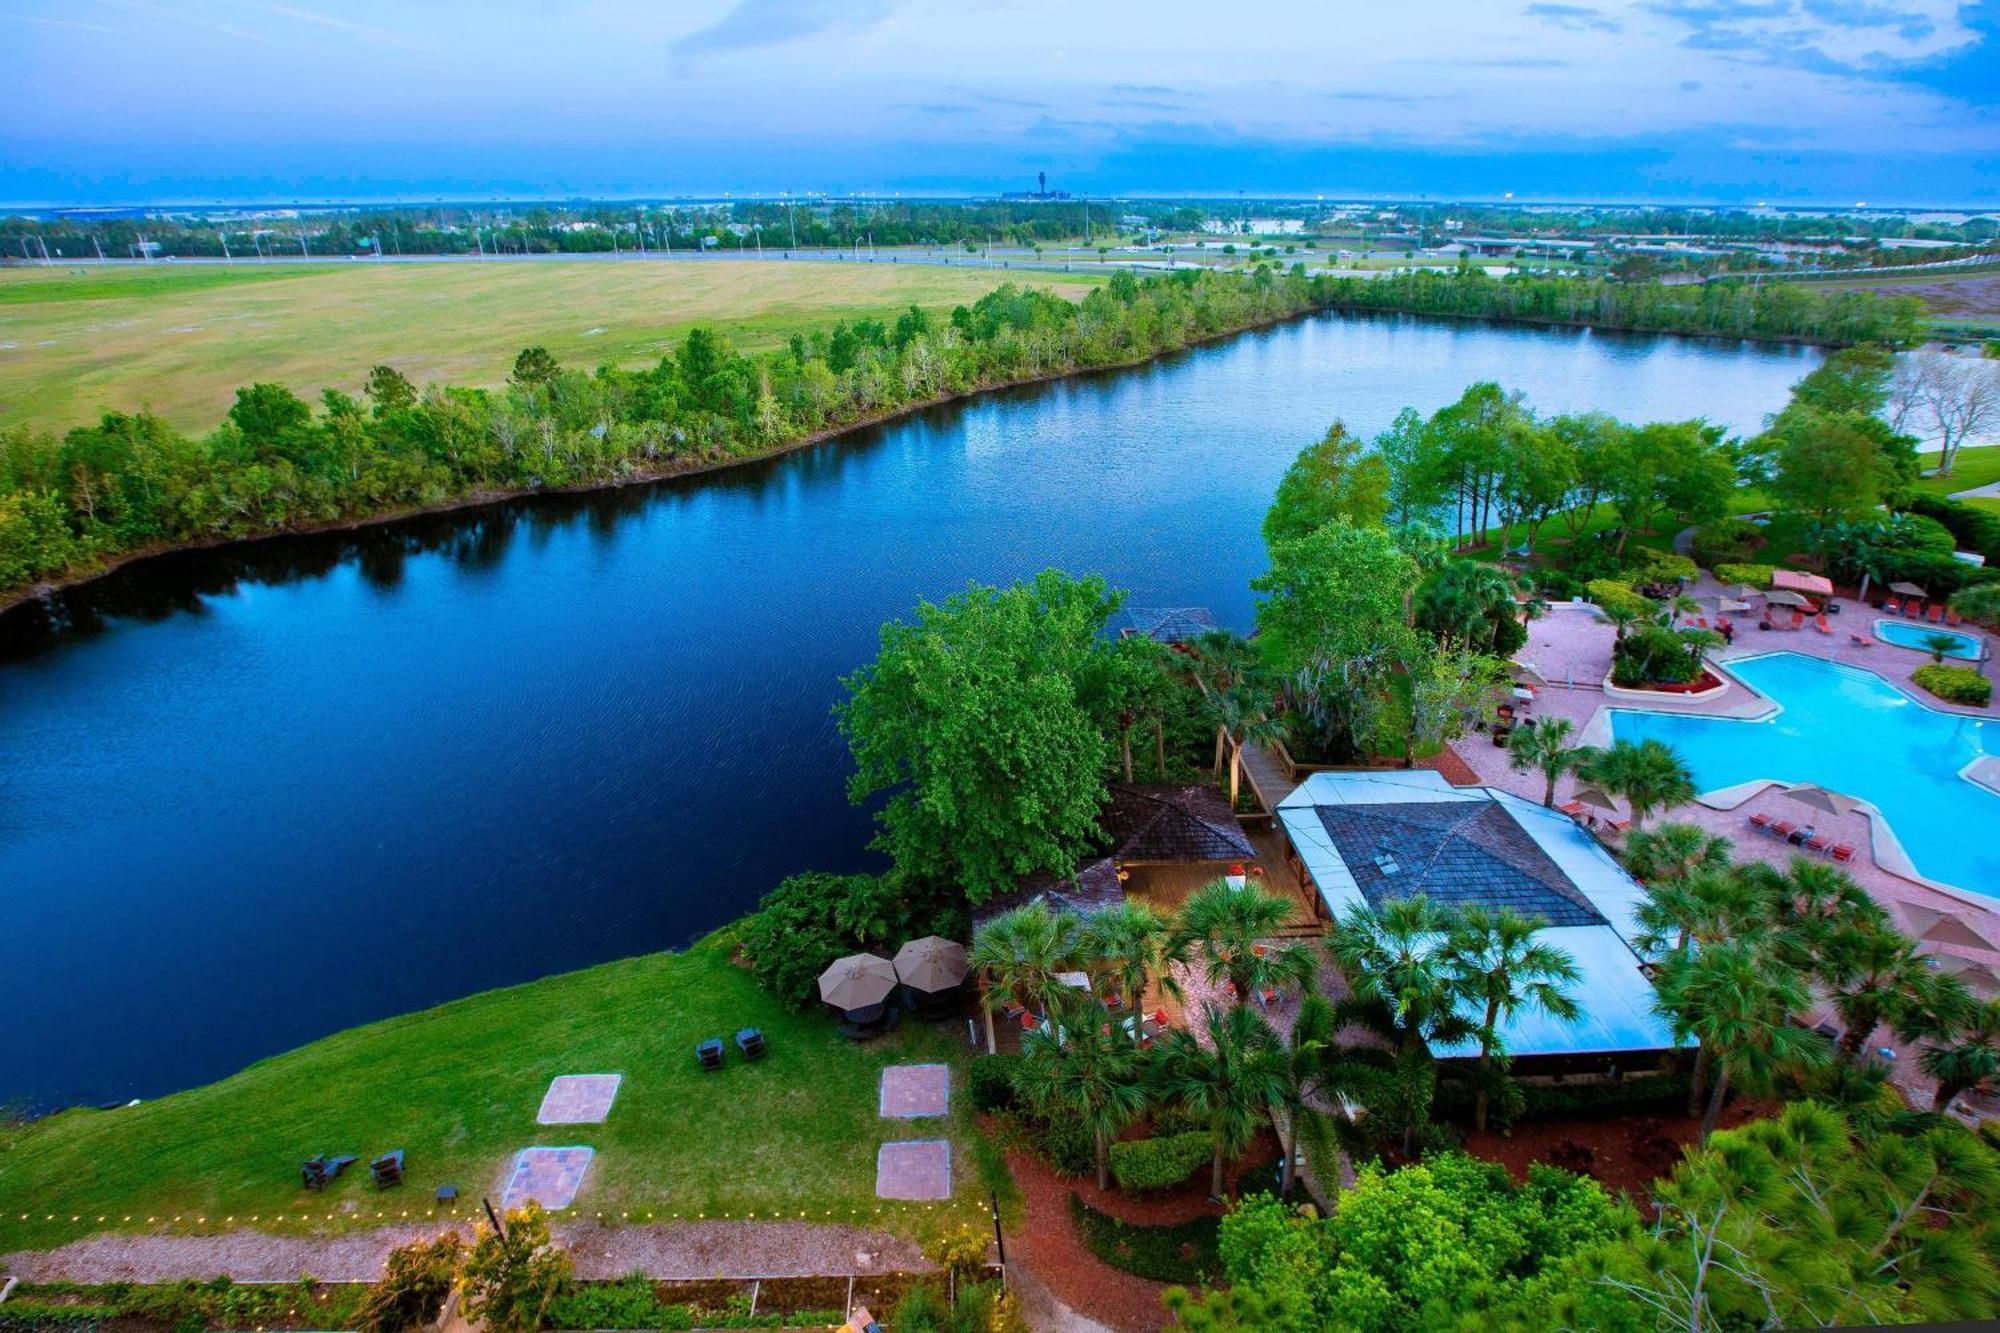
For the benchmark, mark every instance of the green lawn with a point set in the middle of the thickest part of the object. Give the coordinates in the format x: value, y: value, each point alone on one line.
x: 458, y: 1086
x: 182, y: 339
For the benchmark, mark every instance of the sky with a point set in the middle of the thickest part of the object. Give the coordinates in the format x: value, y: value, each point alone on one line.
x: 1790, y: 101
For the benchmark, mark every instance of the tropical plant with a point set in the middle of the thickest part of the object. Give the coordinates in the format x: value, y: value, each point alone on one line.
x: 1648, y: 774
x: 416, y: 1281
x: 1474, y: 605
x: 1229, y: 926
x: 1019, y: 954
x: 1874, y: 975
x: 1968, y: 1056
x: 1673, y: 851
x: 1246, y: 716
x: 1077, y: 1066
x: 1940, y: 646
x: 1737, y: 1001
x: 1706, y: 905
x: 1319, y: 1080
x: 1446, y: 686
x: 1126, y: 948
x: 512, y: 1277
x: 1544, y: 746
x: 1496, y: 963
x: 1230, y: 1079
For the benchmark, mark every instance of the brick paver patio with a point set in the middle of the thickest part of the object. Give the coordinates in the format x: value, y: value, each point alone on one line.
x: 910, y: 1092
x: 578, y: 1099
x: 914, y: 1169
x: 549, y: 1176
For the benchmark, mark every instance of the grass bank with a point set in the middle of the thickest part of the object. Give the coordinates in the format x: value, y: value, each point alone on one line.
x: 457, y: 1087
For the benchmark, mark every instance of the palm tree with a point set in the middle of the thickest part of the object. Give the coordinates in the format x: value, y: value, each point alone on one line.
x: 1127, y: 947
x: 1545, y: 746
x: 1229, y: 925
x: 1737, y: 1002
x: 1703, y: 907
x: 1076, y: 1066
x: 1648, y: 774
x: 1495, y: 962
x: 1937, y: 645
x: 1971, y: 1056
x: 1252, y: 721
x: 1673, y: 851
x: 1232, y: 1078
x: 1019, y: 954
x: 1394, y: 961
x: 1874, y: 974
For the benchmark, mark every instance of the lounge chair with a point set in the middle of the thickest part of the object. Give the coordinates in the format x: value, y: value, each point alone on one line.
x: 1160, y: 1018
x: 1936, y: 614
x: 315, y: 1172
x: 1574, y: 809
x: 1841, y: 852
x: 1894, y: 606
x: 1819, y: 623
x: 709, y: 1054
x: 1859, y: 641
x: 1816, y: 843
x: 1618, y: 825
x: 1798, y: 620
x: 1701, y: 622
x: 1951, y: 618
x: 1760, y: 822
x: 750, y: 1041
x: 387, y: 1169
x: 1784, y: 828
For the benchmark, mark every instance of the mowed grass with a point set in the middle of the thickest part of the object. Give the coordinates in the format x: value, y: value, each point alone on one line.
x: 458, y: 1087
x: 181, y: 340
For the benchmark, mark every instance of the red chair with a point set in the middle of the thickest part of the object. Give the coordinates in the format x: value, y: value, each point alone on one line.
x: 1935, y: 615
x: 1784, y: 828
x: 1894, y: 606
x: 1841, y: 852
x: 1798, y: 620
x: 1817, y: 844
x: 1819, y: 623
x: 1160, y: 1017
x: 1760, y: 822
x: 1859, y: 642
x: 1951, y: 618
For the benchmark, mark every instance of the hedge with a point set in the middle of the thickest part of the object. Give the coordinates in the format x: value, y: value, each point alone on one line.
x: 1757, y: 576
x: 1726, y: 541
x: 1156, y: 1163
x: 1611, y: 594
x: 1954, y: 684
x: 1973, y: 529
x: 1646, y: 565
x: 1185, y: 1252
x: 991, y: 1078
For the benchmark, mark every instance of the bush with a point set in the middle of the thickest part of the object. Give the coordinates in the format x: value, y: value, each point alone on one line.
x: 1612, y: 594
x: 1184, y: 1253
x: 1556, y: 585
x: 1157, y: 1163
x: 1726, y: 541
x: 1652, y: 654
x: 1971, y: 529
x: 813, y: 918
x: 1643, y: 564
x: 1954, y: 684
x: 1068, y: 1144
x: 1757, y: 576
x: 418, y: 1278
x: 991, y: 1078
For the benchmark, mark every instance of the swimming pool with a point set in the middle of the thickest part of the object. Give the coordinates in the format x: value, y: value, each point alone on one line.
x: 1910, y: 634
x: 1851, y: 731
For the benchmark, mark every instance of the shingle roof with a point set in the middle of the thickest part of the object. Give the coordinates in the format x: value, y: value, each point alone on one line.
x: 1187, y: 823
x: 1169, y: 624
x: 1093, y: 888
x: 1459, y: 853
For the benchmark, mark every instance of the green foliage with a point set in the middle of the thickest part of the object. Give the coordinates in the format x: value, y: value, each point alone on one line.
x: 1475, y: 604
x: 512, y: 1280
x: 1183, y: 1252
x: 1331, y: 593
x: 1652, y: 1094
x: 1616, y: 598
x: 1954, y: 684
x: 415, y: 1283
x: 1649, y: 774
x: 70, y: 1307
x: 1726, y: 541
x: 1333, y: 479
x: 991, y: 1080
x: 810, y: 919
x: 1646, y: 564
x: 1971, y: 528
x: 1757, y: 576
x: 987, y: 722
x: 1653, y: 654
x: 1066, y: 1143
x: 1157, y: 1163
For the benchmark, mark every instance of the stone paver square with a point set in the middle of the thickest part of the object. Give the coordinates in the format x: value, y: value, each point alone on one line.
x: 914, y: 1169
x: 913, y: 1091
x: 549, y: 1176
x: 578, y: 1099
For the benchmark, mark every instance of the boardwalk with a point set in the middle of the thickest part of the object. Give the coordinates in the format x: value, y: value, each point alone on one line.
x: 1268, y: 775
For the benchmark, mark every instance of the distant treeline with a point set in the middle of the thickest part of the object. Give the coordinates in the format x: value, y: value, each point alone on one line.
x: 278, y: 463
x: 1743, y: 309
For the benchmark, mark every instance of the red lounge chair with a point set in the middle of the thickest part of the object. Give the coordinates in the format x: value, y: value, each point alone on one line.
x: 1798, y: 620
x: 1841, y: 852
x: 1701, y: 622
x: 1722, y: 624
x: 1160, y: 1017
x: 1893, y: 606
x: 1574, y: 809
x: 1819, y: 623
x: 1784, y: 828
x: 1951, y: 618
x: 1859, y: 642
x: 1817, y: 844
x: 1760, y: 821
x: 1618, y: 825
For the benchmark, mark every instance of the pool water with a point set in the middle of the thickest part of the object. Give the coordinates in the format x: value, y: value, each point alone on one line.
x: 1851, y: 731
x: 1910, y: 634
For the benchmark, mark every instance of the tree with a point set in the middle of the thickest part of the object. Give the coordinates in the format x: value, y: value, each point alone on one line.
x: 512, y: 1278
x: 1825, y: 464
x: 390, y: 390
x: 1243, y: 715
x: 1495, y: 962
x: 1545, y: 746
x: 1231, y: 1078
x: 1678, y: 467
x: 1969, y: 1055
x: 1703, y: 906
x: 1447, y: 685
x: 535, y: 368
x: 1333, y: 479
x: 988, y: 720
x: 1737, y: 1001
x: 1076, y: 1066
x: 1473, y: 604
x: 1957, y: 397
x: 1127, y: 946
x: 1330, y: 593
x: 1228, y: 925
x: 1980, y: 601
x: 1648, y: 774
x: 1019, y: 955
x: 1672, y: 851
x: 1874, y: 975
x: 1409, y: 451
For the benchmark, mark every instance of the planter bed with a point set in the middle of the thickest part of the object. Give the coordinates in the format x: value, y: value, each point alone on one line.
x: 1706, y: 685
x: 130, y: 1307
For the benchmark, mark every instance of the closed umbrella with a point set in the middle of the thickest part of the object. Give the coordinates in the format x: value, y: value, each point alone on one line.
x: 1743, y: 590
x: 1819, y: 798
x: 857, y: 981
x: 1908, y: 590
x: 931, y: 964
x: 1729, y: 606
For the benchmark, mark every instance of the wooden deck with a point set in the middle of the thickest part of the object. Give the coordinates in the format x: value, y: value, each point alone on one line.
x: 1269, y: 777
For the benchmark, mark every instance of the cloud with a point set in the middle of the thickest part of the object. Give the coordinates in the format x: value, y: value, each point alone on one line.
x: 60, y: 23
x: 1393, y: 99
x: 1576, y: 18
x: 758, y: 23
x: 367, y: 32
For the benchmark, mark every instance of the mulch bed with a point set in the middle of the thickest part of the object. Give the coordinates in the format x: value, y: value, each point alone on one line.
x: 1622, y: 1153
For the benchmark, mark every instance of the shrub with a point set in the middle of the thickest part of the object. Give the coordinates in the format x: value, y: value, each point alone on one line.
x: 1725, y: 541
x: 1652, y: 654
x: 1557, y: 585
x: 1954, y: 684
x: 627, y: 1303
x: 1068, y: 1144
x: 418, y: 1278
x: 991, y: 1078
x: 1643, y: 564
x: 813, y: 918
x: 1612, y: 594
x: 1970, y: 528
x: 1757, y: 576
x: 1157, y: 1163
x: 1181, y: 1253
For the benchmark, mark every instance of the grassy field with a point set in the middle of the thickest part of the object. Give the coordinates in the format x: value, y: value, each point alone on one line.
x: 74, y: 342
x: 458, y: 1086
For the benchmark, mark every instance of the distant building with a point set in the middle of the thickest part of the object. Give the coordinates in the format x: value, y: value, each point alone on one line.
x: 1041, y: 194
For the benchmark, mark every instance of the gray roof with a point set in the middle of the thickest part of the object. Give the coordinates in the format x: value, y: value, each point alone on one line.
x: 1459, y: 853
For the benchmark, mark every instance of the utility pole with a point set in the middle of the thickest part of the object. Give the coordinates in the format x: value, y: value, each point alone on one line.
x: 302, y: 246
x: 639, y: 225
x: 95, y: 246
x: 227, y: 258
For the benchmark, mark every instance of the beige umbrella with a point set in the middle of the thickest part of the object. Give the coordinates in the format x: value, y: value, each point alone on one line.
x: 1731, y: 606
x: 857, y: 981
x: 931, y: 964
x: 1980, y: 978
x: 1782, y: 597
x: 1973, y: 930
x: 1743, y: 590
x: 1592, y: 795
x: 1819, y: 798
x: 1908, y: 590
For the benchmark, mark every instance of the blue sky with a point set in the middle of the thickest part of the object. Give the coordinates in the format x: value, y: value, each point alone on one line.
x: 1892, y: 101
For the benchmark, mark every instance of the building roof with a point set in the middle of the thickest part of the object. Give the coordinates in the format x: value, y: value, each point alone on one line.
x: 1464, y: 845
x: 1168, y: 624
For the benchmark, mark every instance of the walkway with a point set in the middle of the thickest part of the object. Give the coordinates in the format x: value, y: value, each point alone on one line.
x: 1268, y: 775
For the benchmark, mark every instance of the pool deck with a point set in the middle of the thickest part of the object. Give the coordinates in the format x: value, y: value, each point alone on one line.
x: 1572, y: 643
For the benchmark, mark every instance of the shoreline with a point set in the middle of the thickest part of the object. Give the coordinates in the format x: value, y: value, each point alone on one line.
x: 1533, y: 322
x: 478, y: 499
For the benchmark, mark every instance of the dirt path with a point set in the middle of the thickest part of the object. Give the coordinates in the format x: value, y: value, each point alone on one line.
x: 674, y: 1250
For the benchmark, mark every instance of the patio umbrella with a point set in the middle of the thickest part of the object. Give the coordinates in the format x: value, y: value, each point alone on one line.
x: 1741, y: 591
x: 1730, y: 606
x: 1819, y: 798
x: 931, y: 964
x: 1908, y: 590
x: 1980, y: 978
x: 1799, y: 581
x: 857, y: 981
x: 1969, y: 931
x: 1593, y: 795
x: 1781, y: 597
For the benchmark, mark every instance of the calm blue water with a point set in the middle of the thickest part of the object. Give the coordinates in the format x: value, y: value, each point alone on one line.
x: 1909, y: 634
x: 1851, y: 731
x: 251, y: 797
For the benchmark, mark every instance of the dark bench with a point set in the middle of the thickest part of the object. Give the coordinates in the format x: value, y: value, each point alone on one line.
x: 387, y: 1169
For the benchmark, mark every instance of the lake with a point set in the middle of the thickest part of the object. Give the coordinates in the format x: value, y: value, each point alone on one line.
x: 249, y: 797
